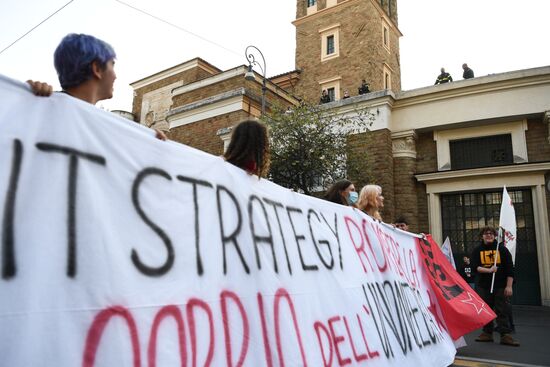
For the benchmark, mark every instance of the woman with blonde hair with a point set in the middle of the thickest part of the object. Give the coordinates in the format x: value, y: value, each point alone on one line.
x: 371, y: 201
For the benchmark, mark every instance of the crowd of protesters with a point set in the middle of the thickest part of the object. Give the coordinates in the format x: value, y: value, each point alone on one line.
x: 85, y: 67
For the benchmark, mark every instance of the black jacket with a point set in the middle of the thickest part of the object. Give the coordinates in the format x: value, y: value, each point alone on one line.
x: 363, y: 89
x: 444, y: 78
x: 483, y: 255
x: 468, y: 74
x: 324, y: 99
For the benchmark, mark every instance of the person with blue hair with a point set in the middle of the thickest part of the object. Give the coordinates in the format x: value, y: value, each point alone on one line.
x: 85, y: 68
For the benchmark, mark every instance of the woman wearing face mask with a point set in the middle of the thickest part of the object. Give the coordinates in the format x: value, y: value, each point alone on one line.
x: 342, y: 192
x: 371, y: 201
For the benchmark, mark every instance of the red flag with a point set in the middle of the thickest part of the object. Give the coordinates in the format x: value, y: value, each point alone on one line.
x: 461, y: 308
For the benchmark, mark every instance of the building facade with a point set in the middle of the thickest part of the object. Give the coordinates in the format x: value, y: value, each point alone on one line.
x: 442, y: 154
x: 197, y: 104
x: 340, y: 43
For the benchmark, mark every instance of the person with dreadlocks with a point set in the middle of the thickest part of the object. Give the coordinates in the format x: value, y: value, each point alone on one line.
x: 249, y: 148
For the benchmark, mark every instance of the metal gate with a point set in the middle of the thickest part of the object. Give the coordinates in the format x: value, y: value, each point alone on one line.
x: 463, y: 216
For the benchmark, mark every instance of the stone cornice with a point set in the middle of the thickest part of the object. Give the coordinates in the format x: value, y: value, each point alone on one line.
x: 218, y: 105
x: 517, y: 169
x: 194, y: 63
x: 228, y: 74
x: 330, y: 27
x: 478, y: 85
x: 370, y: 100
x: 205, y: 102
x: 231, y: 73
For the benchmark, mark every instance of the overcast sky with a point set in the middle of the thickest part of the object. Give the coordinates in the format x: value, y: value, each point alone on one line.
x: 492, y: 36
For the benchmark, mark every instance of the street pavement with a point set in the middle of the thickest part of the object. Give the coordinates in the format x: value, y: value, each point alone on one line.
x: 532, y: 331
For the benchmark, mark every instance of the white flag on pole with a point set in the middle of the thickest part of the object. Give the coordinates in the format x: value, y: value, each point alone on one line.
x: 448, y: 252
x: 508, y: 223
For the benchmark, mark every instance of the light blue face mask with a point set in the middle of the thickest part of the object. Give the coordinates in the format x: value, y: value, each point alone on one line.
x: 352, y: 197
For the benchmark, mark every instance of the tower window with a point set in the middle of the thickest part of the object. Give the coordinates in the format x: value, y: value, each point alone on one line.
x: 386, y: 35
x: 332, y: 86
x: 387, y: 77
x: 331, y: 94
x: 311, y: 7
x: 330, y: 45
x: 330, y: 42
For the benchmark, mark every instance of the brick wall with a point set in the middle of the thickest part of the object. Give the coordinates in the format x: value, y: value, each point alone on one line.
x: 426, y: 161
x: 362, y: 54
x: 202, y: 134
x: 426, y: 153
x: 236, y: 82
x: 422, y: 205
x: 373, y: 152
x: 208, y: 91
x: 406, y: 199
x: 301, y: 7
x: 538, y: 147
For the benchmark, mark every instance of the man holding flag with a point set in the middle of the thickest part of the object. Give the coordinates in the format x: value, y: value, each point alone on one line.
x: 495, y: 275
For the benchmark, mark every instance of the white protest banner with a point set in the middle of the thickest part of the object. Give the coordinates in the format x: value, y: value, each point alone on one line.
x: 507, y: 222
x: 118, y: 249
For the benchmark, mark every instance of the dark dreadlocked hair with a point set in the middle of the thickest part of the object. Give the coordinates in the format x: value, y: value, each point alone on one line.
x: 249, y: 148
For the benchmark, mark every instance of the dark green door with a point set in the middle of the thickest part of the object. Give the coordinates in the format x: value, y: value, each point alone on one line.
x: 464, y: 214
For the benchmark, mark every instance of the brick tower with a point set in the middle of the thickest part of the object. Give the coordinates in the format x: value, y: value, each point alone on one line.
x: 341, y: 42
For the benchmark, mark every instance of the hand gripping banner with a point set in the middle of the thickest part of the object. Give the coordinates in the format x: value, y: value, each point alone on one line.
x: 118, y: 249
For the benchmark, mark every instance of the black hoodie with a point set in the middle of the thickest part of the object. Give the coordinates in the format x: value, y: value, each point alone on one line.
x: 483, y: 255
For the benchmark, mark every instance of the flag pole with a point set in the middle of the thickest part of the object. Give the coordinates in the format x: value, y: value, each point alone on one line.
x: 499, y: 240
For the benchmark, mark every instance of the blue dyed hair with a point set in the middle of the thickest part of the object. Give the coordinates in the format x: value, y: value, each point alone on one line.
x: 74, y: 56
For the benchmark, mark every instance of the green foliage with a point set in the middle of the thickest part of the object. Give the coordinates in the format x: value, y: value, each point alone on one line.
x: 308, y: 145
